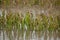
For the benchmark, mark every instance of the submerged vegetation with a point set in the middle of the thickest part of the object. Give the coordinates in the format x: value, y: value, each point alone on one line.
x: 17, y: 21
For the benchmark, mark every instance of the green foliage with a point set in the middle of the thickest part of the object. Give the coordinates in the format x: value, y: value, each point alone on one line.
x: 41, y: 22
x: 27, y: 20
x: 57, y: 3
x: 7, y: 2
x: 58, y: 19
x: 23, y: 23
x: 2, y: 20
x: 9, y: 20
x: 36, y: 2
x: 41, y: 3
x: 0, y: 2
x: 53, y: 23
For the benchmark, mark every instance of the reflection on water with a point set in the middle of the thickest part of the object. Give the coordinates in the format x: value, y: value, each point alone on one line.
x: 29, y: 35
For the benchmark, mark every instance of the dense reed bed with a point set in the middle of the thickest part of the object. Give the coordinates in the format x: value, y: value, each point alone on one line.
x: 15, y: 24
x: 18, y: 21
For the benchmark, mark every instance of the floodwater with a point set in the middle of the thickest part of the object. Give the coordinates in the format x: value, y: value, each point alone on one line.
x: 29, y: 35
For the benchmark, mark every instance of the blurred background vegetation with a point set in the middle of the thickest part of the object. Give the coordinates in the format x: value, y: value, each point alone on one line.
x: 41, y: 3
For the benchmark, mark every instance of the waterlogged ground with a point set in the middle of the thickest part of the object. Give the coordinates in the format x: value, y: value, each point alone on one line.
x: 30, y: 35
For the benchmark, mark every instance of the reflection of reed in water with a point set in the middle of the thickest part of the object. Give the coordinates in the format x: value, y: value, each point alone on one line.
x: 31, y: 35
x: 50, y: 35
x: 55, y: 35
x: 58, y: 34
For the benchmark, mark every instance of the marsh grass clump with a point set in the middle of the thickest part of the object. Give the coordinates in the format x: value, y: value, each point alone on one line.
x: 2, y: 21
x: 38, y: 23
x: 44, y: 21
x: 9, y: 21
x: 53, y: 23
x: 18, y: 21
x: 27, y: 20
x: 58, y: 19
